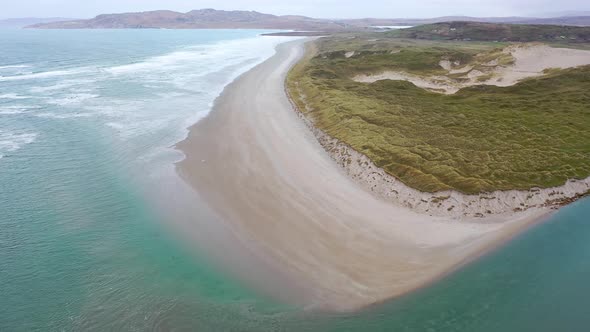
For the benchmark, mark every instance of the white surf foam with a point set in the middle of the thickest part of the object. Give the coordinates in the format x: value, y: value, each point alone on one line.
x: 47, y: 74
x: 150, y: 103
x: 71, y: 99
x: 60, y: 86
x: 13, y: 141
x: 168, y: 61
x: 12, y: 96
x: 11, y: 111
x: 189, y: 80
x: 70, y: 115
x: 206, y: 58
x: 14, y: 66
x: 15, y: 109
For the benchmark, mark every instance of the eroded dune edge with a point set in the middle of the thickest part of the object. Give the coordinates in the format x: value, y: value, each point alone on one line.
x: 453, y: 204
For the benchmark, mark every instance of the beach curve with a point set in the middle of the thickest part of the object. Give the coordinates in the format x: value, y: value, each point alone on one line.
x: 261, y: 169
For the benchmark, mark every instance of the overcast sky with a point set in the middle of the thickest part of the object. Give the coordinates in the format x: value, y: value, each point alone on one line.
x: 315, y: 8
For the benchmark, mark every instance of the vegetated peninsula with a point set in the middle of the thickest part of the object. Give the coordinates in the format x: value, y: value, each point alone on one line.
x: 261, y: 170
x: 459, y: 128
x: 221, y: 19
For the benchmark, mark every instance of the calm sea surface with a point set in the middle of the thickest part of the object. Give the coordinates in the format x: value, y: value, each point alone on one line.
x: 87, y: 121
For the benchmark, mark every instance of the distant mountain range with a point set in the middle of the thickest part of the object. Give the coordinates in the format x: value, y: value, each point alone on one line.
x: 220, y: 19
x: 196, y: 19
x: 26, y: 21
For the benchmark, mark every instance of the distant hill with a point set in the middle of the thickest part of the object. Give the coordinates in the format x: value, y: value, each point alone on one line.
x: 221, y: 19
x: 565, y: 20
x: 196, y: 19
x: 495, y: 32
x: 568, y: 13
x: 22, y: 22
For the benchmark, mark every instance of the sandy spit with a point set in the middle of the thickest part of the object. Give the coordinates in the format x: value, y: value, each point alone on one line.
x: 262, y: 170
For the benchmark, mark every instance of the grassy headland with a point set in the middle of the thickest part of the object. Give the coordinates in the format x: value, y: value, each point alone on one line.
x: 482, y: 138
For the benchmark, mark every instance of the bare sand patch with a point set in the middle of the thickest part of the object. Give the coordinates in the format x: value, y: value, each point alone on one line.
x: 530, y: 60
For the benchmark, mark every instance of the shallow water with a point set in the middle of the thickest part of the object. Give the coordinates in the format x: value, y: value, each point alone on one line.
x: 86, y: 243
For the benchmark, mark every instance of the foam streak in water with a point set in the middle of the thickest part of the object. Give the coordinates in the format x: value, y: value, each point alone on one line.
x: 14, y: 66
x: 11, y: 141
x: 47, y: 74
x: 12, y: 96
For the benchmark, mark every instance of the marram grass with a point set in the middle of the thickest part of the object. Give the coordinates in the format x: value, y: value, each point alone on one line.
x: 483, y: 138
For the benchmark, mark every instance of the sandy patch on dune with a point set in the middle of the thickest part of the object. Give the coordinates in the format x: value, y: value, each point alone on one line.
x: 530, y: 60
x: 433, y: 83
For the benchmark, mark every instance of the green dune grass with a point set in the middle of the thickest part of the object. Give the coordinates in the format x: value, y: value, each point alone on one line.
x: 483, y: 138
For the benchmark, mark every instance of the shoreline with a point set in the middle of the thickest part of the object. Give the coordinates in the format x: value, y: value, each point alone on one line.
x: 257, y: 165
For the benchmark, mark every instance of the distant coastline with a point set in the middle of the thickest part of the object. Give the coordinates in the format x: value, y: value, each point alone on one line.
x: 15, y: 23
x: 221, y: 19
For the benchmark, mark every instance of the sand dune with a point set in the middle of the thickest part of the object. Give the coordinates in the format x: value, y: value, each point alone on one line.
x: 530, y: 60
x: 259, y: 167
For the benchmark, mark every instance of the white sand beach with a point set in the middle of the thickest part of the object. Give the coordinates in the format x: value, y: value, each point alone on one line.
x: 257, y: 165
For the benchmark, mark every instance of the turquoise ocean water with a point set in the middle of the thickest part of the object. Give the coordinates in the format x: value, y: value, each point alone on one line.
x: 87, y: 119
